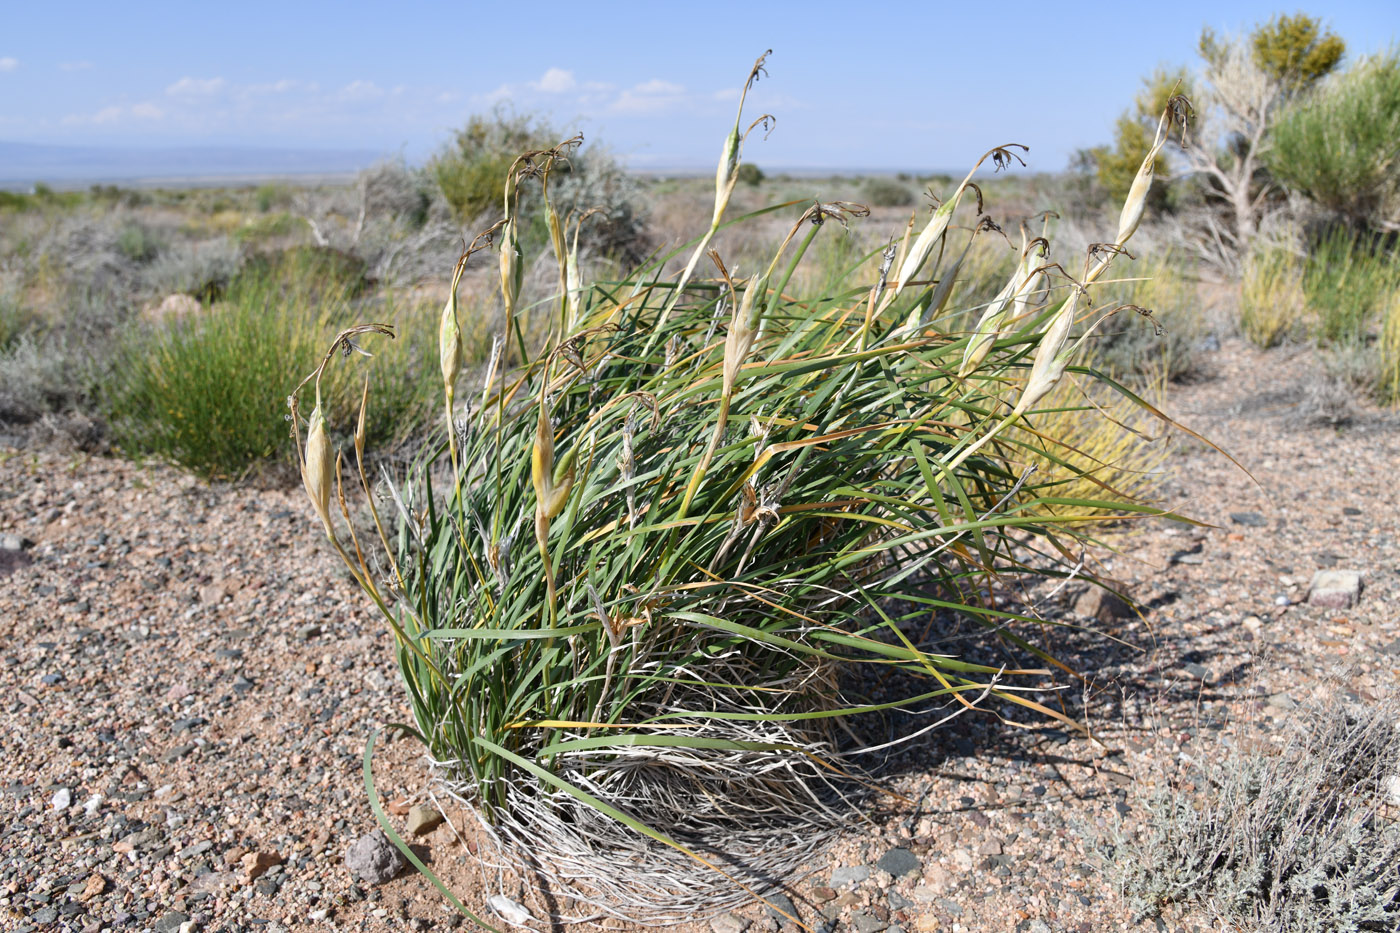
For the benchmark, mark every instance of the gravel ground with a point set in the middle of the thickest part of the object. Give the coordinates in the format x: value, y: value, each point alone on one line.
x: 190, y: 681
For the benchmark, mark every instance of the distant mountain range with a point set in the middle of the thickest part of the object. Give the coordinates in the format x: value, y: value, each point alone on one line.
x: 23, y: 164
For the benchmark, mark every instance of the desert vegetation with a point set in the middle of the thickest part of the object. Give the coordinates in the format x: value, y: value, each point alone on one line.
x: 667, y: 487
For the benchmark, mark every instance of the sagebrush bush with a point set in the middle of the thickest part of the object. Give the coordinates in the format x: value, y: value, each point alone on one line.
x: 887, y: 192
x: 1298, y: 838
x: 1338, y: 146
x: 626, y: 581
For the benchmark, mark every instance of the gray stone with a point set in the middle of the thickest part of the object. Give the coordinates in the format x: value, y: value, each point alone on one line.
x: 1334, y: 589
x: 849, y: 874
x: 170, y: 923
x: 899, y: 862
x: 865, y: 923
x: 373, y: 858
x: 1249, y: 519
x: 779, y: 901
x: 990, y: 847
x: 1392, y: 649
x: 1098, y: 603
x: 1198, y: 671
x: 1282, y: 701
x: 308, y: 632
x: 423, y: 820
x: 729, y: 923
x: 9, y: 541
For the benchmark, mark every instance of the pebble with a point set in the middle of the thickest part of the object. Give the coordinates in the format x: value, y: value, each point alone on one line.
x: 728, y: 923
x: 509, y: 910
x: 9, y: 541
x: 373, y: 858
x: 62, y: 799
x: 849, y: 874
x: 899, y: 862
x: 779, y: 901
x: 1098, y: 603
x: 1249, y: 519
x: 1334, y: 589
x: 423, y: 820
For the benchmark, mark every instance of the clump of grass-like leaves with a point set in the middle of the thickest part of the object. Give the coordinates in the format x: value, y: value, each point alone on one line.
x: 629, y: 583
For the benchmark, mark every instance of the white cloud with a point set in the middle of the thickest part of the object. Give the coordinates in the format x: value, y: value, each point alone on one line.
x: 657, y: 86
x: 274, y: 87
x: 361, y: 90
x: 555, y: 81
x: 75, y: 66
x: 196, y: 87
x: 117, y: 114
x: 9, y: 64
x: 649, y: 97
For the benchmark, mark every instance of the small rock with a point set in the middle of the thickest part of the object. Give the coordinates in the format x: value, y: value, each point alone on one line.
x: 1249, y: 519
x: 1392, y: 789
x: 1392, y: 649
x: 374, y: 858
x: 990, y: 847
x: 1253, y: 623
x: 509, y: 910
x: 1198, y: 672
x: 1334, y: 589
x: 9, y: 541
x: 213, y: 594
x: 899, y: 862
x: 91, y: 805
x: 865, y: 923
x: 96, y: 885
x: 1098, y: 603
x: 255, y: 864
x: 849, y: 874
x: 1282, y: 701
x: 423, y: 820
x: 62, y: 799
x: 729, y: 923
x: 308, y: 632
x: 778, y: 901
x: 171, y: 922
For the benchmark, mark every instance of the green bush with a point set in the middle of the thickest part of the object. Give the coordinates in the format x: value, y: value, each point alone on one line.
x: 887, y: 192
x: 137, y: 243
x: 471, y: 172
x: 1341, y: 146
x: 750, y: 174
x: 1348, y: 281
x: 210, y: 392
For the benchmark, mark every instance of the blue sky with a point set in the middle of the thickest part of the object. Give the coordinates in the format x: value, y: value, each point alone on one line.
x: 892, y: 86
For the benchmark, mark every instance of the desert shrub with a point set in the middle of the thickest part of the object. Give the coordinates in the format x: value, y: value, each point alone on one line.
x: 886, y: 192
x: 1388, y: 368
x: 1156, y: 346
x: 15, y: 319
x: 1300, y: 837
x: 1341, y: 146
x: 1273, y: 307
x: 137, y: 242
x: 1348, y: 281
x: 266, y: 197
x: 200, y: 268
x: 750, y: 174
x: 305, y: 272
x: 268, y: 227
x: 209, y: 392
x: 626, y: 583
x: 471, y: 174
